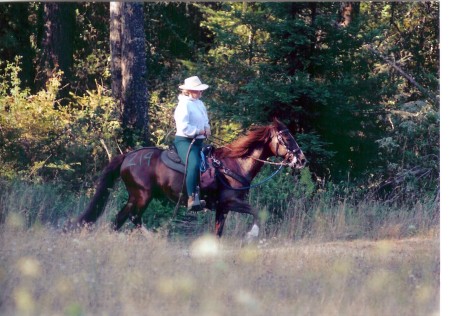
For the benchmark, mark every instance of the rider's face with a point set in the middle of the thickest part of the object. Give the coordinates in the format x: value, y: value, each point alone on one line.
x: 195, y: 94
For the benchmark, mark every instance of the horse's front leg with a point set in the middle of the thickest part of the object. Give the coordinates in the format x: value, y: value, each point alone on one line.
x: 253, y: 234
x: 240, y: 206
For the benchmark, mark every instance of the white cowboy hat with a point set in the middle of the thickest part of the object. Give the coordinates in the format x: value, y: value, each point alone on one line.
x: 193, y: 83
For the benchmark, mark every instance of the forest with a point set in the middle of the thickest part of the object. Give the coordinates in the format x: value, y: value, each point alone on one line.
x: 357, y: 84
x: 355, y: 232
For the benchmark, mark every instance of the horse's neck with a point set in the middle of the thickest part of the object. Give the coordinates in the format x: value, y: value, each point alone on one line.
x: 251, y: 165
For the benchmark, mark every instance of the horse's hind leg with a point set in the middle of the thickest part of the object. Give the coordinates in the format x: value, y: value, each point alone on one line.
x: 137, y: 203
x: 142, y: 198
x: 123, y: 215
x: 220, y: 222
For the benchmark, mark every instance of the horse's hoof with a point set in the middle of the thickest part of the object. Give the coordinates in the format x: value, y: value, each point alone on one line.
x: 252, y: 236
x: 248, y: 240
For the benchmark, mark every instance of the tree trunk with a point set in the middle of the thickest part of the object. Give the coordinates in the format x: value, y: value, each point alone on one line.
x: 57, y: 45
x: 115, y: 40
x: 129, y: 69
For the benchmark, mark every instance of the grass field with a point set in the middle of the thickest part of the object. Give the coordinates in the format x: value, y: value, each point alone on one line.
x: 44, y: 272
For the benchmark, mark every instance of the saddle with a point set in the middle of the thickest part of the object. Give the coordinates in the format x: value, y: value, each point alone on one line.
x: 208, y: 173
x: 208, y: 168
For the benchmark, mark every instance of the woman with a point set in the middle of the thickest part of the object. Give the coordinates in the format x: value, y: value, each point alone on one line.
x: 192, y: 123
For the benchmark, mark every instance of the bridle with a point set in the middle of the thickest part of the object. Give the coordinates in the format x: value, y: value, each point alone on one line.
x: 289, y: 159
x: 290, y: 153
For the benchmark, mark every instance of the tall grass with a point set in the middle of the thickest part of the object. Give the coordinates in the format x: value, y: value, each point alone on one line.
x: 38, y: 203
x: 320, y: 217
x: 303, y: 264
x: 100, y: 272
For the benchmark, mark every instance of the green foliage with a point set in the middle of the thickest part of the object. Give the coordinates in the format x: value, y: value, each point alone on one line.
x: 319, y: 79
x: 410, y: 150
x: 41, y: 140
x: 280, y: 191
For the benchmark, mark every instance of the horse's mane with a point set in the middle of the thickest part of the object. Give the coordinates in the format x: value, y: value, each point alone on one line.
x: 244, y: 145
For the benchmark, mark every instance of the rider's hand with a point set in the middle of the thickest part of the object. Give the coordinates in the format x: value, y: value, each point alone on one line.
x: 208, y: 132
x: 201, y: 132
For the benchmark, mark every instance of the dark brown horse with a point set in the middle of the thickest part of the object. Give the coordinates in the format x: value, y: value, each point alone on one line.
x: 146, y: 177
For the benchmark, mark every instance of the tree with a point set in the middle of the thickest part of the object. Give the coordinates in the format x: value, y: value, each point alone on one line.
x: 57, y: 45
x: 313, y: 71
x: 128, y: 70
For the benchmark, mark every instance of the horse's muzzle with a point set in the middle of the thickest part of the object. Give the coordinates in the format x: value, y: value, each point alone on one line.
x: 298, y: 162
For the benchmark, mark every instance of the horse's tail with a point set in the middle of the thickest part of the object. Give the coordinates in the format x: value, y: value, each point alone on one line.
x: 105, y: 183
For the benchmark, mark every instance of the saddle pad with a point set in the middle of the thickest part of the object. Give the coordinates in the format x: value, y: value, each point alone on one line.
x: 170, y: 163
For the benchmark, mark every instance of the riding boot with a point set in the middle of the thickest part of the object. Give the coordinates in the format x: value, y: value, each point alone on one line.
x: 194, y: 204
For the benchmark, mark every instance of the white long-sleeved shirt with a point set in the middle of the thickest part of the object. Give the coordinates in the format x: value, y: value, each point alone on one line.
x: 190, y: 117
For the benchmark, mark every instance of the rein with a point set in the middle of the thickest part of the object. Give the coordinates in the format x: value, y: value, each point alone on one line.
x: 226, y: 171
x: 251, y: 186
x: 267, y: 162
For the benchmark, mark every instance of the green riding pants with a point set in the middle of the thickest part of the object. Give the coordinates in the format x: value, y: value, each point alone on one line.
x: 193, y: 166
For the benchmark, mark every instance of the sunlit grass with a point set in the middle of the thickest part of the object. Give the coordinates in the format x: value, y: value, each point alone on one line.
x: 44, y: 272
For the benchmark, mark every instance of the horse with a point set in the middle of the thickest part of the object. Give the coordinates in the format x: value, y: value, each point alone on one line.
x: 236, y: 165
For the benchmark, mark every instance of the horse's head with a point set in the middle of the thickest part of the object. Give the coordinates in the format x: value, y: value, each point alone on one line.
x: 284, y: 145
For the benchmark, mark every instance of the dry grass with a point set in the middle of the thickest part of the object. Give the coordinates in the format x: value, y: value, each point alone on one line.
x: 43, y: 272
